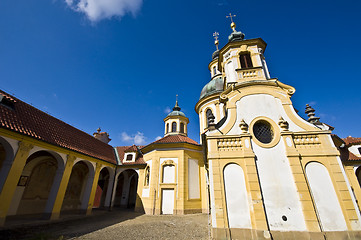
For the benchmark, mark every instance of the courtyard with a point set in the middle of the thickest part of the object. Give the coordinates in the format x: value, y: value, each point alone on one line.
x: 116, y: 224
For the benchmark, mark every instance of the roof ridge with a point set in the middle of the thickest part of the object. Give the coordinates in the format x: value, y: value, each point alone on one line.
x: 20, y: 101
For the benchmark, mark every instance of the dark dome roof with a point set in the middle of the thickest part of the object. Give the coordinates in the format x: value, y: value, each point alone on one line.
x: 176, y: 113
x: 214, y: 86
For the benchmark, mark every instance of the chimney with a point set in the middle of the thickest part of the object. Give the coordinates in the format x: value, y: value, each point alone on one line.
x: 102, y: 136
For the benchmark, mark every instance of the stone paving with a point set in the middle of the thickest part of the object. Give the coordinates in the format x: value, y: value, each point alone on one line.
x: 117, y: 224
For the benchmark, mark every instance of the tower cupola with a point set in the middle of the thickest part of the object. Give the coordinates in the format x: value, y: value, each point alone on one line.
x: 176, y: 122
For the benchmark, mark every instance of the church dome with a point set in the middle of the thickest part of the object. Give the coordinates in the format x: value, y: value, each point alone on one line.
x: 214, y: 86
x: 176, y: 111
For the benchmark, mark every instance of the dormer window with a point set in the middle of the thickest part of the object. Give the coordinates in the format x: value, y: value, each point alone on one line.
x: 245, y: 60
x: 129, y: 157
x: 359, y: 150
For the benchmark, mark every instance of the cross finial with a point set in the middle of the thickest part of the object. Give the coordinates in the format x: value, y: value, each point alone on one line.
x: 216, y: 42
x: 233, y: 25
x: 231, y: 16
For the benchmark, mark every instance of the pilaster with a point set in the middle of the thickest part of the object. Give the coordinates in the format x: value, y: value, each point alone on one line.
x: 308, y: 208
x: 55, y: 213
x: 93, y: 189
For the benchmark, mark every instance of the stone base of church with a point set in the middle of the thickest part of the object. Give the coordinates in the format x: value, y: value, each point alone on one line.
x: 237, y: 233
x: 150, y: 211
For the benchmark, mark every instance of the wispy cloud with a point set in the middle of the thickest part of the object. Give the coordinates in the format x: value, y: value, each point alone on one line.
x: 96, y: 10
x: 137, y: 139
x: 157, y: 138
x: 167, y: 110
x: 312, y: 103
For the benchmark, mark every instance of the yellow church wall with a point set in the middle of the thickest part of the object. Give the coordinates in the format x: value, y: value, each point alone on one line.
x: 355, y: 185
x: 182, y: 205
x: 26, y: 144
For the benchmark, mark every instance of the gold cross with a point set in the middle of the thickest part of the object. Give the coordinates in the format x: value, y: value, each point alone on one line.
x: 216, y: 42
x: 231, y: 16
x: 215, y: 35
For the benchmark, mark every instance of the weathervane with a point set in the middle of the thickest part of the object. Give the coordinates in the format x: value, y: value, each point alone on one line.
x: 216, y: 42
x: 233, y: 25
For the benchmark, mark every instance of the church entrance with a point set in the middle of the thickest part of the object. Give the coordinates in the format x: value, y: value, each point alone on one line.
x: 167, y: 201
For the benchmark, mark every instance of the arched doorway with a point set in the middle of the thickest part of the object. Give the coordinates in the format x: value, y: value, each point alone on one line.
x: 2, y: 155
x: 6, y: 155
x: 76, y: 187
x: 102, y: 188
x: 35, y: 184
x: 126, y: 189
x: 133, y: 185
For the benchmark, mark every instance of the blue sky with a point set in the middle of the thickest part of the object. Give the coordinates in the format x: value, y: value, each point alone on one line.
x: 118, y: 64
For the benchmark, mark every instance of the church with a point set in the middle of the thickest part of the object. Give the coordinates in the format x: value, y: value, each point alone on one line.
x: 260, y: 170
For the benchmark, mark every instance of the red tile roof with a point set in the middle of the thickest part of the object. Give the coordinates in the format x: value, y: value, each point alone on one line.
x: 32, y: 122
x: 346, y: 155
x: 175, y: 139
x: 352, y: 140
x: 122, y: 150
x: 132, y: 148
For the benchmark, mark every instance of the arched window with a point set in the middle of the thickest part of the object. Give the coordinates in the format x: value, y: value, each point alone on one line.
x: 182, y: 127
x: 174, y: 126
x: 214, y: 70
x: 167, y: 128
x: 359, y: 150
x: 210, y: 117
x: 245, y: 59
x: 147, y: 176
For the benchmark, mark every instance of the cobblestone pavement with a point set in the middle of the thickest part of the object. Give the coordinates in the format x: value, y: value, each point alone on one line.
x: 117, y: 224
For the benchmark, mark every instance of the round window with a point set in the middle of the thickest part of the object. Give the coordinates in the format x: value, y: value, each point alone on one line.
x: 262, y: 130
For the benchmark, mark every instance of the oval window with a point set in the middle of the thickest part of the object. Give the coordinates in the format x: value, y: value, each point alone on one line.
x: 263, y: 131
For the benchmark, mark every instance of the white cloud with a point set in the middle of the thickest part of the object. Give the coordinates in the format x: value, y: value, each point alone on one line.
x: 157, y: 138
x: 312, y: 103
x: 167, y: 110
x: 137, y: 139
x: 96, y: 10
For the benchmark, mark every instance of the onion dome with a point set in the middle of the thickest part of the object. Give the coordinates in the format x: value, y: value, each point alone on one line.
x: 215, y: 54
x: 214, y: 86
x: 176, y: 111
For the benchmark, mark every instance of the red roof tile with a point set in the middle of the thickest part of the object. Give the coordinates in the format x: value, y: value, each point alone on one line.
x: 122, y: 150
x: 346, y: 155
x: 352, y: 140
x: 175, y: 139
x: 30, y: 121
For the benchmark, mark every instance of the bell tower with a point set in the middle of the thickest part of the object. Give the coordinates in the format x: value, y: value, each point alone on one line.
x: 176, y: 122
x: 272, y: 174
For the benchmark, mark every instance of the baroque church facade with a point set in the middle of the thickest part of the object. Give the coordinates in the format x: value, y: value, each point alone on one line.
x: 260, y: 172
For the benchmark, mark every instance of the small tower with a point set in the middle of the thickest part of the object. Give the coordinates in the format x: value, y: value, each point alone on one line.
x: 176, y: 122
x: 102, y: 136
